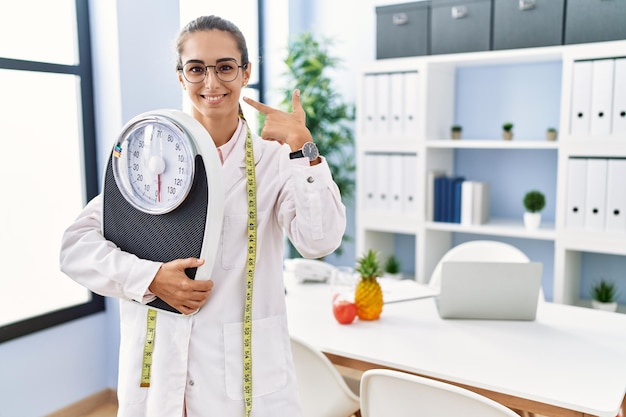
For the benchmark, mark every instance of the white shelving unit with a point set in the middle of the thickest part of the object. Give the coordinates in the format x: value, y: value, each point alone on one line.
x: 434, y: 105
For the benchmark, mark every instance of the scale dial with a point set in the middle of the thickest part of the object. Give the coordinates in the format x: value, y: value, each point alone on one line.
x: 153, y: 164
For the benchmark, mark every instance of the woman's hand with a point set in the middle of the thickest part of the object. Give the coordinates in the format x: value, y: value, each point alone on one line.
x: 289, y: 128
x: 172, y: 285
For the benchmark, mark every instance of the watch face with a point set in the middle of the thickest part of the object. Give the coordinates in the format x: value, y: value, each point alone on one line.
x: 310, y: 151
x: 153, y: 164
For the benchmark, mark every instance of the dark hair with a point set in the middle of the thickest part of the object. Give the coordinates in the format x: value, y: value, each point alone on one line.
x: 211, y: 23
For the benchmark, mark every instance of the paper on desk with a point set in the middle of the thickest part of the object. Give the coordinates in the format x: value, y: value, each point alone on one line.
x: 396, y: 290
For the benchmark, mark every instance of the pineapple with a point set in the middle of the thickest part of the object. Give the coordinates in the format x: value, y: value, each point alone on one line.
x: 368, y: 296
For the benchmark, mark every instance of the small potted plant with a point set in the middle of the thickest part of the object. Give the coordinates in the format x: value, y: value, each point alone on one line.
x: 507, y: 131
x: 534, y: 202
x: 551, y: 134
x: 604, y: 295
x: 455, y: 131
x: 392, y: 267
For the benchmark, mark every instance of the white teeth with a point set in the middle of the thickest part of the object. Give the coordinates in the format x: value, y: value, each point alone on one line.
x: 213, y: 98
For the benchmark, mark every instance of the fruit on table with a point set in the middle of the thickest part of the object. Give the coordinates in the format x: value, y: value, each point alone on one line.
x: 368, y: 296
x: 344, y: 311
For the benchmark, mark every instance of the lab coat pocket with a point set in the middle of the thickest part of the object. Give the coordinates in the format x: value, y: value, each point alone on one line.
x: 269, y: 357
x: 235, y: 238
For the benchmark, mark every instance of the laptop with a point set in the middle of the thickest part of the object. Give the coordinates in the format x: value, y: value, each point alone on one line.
x: 489, y: 290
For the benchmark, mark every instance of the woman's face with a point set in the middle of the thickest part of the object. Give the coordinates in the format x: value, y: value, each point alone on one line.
x: 212, y: 97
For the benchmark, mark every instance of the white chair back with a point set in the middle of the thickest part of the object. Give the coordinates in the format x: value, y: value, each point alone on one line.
x: 387, y: 393
x: 323, y: 391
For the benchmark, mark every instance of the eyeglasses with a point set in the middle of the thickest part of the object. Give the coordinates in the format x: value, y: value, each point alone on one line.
x: 226, y: 71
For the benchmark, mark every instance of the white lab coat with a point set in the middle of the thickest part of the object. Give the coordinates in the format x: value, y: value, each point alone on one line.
x: 197, y: 359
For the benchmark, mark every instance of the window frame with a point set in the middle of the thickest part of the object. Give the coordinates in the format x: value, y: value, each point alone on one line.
x: 260, y: 86
x: 90, y: 171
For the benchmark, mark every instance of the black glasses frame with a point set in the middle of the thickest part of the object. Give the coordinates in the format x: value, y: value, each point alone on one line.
x: 217, y: 73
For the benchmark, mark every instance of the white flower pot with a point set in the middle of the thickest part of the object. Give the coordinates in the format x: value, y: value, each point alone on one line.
x: 604, y: 306
x: 532, y: 220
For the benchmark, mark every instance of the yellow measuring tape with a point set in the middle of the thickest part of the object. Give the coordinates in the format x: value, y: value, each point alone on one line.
x: 247, y: 315
x: 250, y: 262
x: 148, y: 347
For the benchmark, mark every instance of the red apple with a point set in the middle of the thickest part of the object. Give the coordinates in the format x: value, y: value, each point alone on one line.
x: 344, y: 311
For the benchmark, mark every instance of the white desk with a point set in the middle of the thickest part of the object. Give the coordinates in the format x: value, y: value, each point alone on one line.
x: 571, y: 361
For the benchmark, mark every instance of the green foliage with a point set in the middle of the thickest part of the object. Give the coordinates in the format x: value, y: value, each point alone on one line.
x: 507, y: 127
x: 456, y: 128
x: 604, y: 291
x: 551, y: 129
x: 368, y: 265
x: 534, y: 201
x: 329, y: 119
x: 392, y: 265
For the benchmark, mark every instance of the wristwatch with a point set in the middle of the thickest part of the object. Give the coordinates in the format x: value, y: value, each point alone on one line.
x: 308, y: 150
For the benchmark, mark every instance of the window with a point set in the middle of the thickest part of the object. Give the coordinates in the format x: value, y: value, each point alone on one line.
x: 49, y: 161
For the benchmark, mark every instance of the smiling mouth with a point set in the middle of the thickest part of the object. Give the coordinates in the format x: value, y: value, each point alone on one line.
x: 213, y: 98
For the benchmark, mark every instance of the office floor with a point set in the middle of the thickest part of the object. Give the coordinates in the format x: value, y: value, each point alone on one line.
x: 106, y: 410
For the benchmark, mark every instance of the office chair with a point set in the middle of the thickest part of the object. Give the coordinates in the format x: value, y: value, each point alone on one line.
x: 323, y: 391
x: 386, y: 393
x: 480, y: 250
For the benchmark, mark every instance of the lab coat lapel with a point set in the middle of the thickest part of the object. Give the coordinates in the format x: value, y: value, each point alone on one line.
x: 235, y: 166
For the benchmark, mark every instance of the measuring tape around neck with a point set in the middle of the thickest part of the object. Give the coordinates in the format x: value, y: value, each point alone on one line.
x: 250, y: 263
x: 247, y: 316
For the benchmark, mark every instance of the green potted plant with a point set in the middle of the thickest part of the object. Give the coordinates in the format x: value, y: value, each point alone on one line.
x: 534, y: 202
x: 604, y: 295
x: 551, y: 134
x: 455, y: 131
x: 507, y: 131
x: 328, y: 117
x: 393, y: 267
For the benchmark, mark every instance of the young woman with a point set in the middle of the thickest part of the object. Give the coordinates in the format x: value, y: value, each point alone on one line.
x: 197, y: 362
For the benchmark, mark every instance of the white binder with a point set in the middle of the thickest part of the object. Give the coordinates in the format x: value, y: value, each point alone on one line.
x: 616, y: 196
x: 619, y: 99
x: 396, y: 103
x: 396, y: 183
x: 602, y: 97
x: 467, y: 202
x: 383, y: 126
x: 595, y: 203
x: 576, y: 193
x: 481, y: 199
x: 430, y: 193
x: 383, y: 197
x: 581, y: 98
x: 409, y: 165
x: 369, y: 104
x: 369, y: 182
x: 411, y: 103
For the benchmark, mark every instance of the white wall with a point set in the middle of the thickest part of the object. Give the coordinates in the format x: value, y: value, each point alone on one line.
x: 352, y: 23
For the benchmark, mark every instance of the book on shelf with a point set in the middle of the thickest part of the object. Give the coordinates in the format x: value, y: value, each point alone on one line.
x: 430, y: 193
x: 447, y: 199
x: 474, y: 202
x: 453, y: 199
